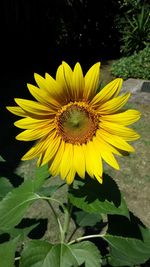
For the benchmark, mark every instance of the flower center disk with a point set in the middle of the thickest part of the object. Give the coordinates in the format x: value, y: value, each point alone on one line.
x: 76, y: 123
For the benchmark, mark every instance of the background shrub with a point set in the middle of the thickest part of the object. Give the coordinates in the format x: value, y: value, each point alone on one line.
x: 133, y: 24
x: 135, y: 66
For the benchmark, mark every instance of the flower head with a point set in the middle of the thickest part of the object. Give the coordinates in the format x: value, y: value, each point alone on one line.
x: 75, y: 127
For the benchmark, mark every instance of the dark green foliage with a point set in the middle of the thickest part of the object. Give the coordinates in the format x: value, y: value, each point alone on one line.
x: 135, y: 66
x: 133, y: 23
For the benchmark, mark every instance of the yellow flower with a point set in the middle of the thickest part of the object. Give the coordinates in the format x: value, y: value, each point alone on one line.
x: 75, y: 127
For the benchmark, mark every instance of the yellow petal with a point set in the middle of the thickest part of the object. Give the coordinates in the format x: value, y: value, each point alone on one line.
x: 105, y: 145
x: 106, y: 154
x: 34, y: 108
x: 110, y: 90
x: 41, y: 82
x: 43, y: 145
x: 31, y: 154
x: 39, y: 162
x: 34, y: 134
x: 92, y: 81
x: 67, y: 77
x: 17, y: 111
x: 66, y: 161
x: 54, y: 142
x: 60, y: 78
x: 110, y: 159
x: 119, y: 130
x: 99, y: 178
x: 55, y: 89
x: 34, y: 151
x: 124, y: 118
x: 88, y: 162
x: 30, y: 123
x: 70, y: 176
x: 44, y: 98
x: 113, y: 105
x: 116, y: 141
x: 93, y: 162
x: 55, y: 165
x: 79, y: 160
x: 78, y: 82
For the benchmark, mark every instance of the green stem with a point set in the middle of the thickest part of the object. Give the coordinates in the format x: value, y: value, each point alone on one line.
x: 61, y: 229
x: 56, y: 217
x: 53, y: 199
x: 85, y: 237
x: 53, y: 210
x: 101, y: 234
x: 65, y: 226
x: 66, y: 221
x: 72, y: 234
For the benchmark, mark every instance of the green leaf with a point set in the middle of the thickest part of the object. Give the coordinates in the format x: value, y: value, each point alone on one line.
x: 86, y: 252
x: 5, y: 187
x: 22, y: 232
x: 16, y: 202
x: 41, y: 175
x: 48, y: 191
x: 127, y: 251
x: 7, y: 253
x: 93, y: 197
x: 130, y: 248
x: 43, y: 254
x: 60, y: 256
x: 34, y: 253
x: 83, y: 218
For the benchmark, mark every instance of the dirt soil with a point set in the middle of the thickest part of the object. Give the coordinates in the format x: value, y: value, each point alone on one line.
x: 133, y: 178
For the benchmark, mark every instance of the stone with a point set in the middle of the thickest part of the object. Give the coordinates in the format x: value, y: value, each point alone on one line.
x: 134, y: 86
x: 146, y: 87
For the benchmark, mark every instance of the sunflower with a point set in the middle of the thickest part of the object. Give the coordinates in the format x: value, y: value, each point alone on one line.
x: 75, y: 126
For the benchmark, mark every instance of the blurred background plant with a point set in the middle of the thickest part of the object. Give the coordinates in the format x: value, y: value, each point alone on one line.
x: 133, y: 24
x: 134, y: 66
